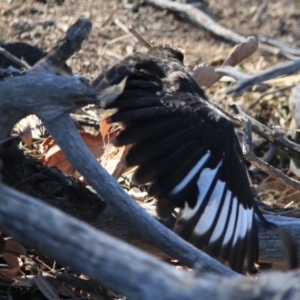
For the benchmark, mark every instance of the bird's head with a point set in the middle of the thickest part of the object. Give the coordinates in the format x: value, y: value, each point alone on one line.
x: 166, y: 51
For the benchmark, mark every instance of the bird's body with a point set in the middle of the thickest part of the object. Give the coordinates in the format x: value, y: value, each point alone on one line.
x: 187, y: 150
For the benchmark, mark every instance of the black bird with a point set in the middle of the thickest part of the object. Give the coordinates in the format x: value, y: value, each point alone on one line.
x: 187, y: 150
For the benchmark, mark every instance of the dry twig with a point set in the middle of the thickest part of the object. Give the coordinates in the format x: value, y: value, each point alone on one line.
x: 139, y: 37
x: 247, y: 82
x: 251, y: 157
x: 19, y: 62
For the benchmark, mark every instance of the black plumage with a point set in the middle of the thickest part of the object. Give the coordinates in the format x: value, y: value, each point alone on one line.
x: 187, y: 150
x: 30, y: 54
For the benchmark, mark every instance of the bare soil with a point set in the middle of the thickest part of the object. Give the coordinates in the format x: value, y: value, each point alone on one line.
x: 42, y: 24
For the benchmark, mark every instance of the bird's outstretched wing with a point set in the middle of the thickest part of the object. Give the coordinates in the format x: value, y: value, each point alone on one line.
x: 187, y: 151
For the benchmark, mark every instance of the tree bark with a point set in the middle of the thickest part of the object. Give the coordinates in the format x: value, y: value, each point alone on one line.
x: 121, y: 267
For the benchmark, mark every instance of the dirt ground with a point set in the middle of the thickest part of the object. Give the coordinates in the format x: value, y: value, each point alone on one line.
x: 42, y: 24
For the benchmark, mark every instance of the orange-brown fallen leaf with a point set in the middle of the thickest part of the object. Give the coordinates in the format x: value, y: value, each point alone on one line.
x: 108, y: 155
x: 111, y: 160
x: 104, y: 127
x: 11, y: 259
x: 14, y: 246
x: 11, y: 272
x: 55, y: 157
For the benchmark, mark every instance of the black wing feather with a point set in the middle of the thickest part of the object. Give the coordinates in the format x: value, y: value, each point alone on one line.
x: 186, y: 149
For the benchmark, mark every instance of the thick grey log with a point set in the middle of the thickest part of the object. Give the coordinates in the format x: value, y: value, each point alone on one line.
x: 270, y: 245
x: 33, y: 92
x: 123, y: 268
x: 106, y: 260
x: 269, y: 241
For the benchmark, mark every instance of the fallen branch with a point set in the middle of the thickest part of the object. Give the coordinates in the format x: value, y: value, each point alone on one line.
x: 89, y: 251
x: 9, y: 56
x: 245, y: 83
x: 200, y: 18
x: 117, y: 200
x: 270, y: 134
x: 269, y: 241
x: 134, y: 274
x: 262, y: 165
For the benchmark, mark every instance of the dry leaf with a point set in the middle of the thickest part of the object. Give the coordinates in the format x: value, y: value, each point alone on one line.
x: 241, y: 51
x: 14, y: 246
x: 55, y: 157
x: 111, y: 160
x: 104, y: 127
x: 204, y: 73
x: 11, y: 272
x: 11, y: 259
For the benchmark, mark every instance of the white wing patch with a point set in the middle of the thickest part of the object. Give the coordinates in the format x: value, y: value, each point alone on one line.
x: 242, y: 224
x: 240, y: 218
x: 205, y: 180
x: 222, y: 218
x: 250, y: 218
x: 211, y: 209
x: 179, y: 187
x: 231, y: 223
